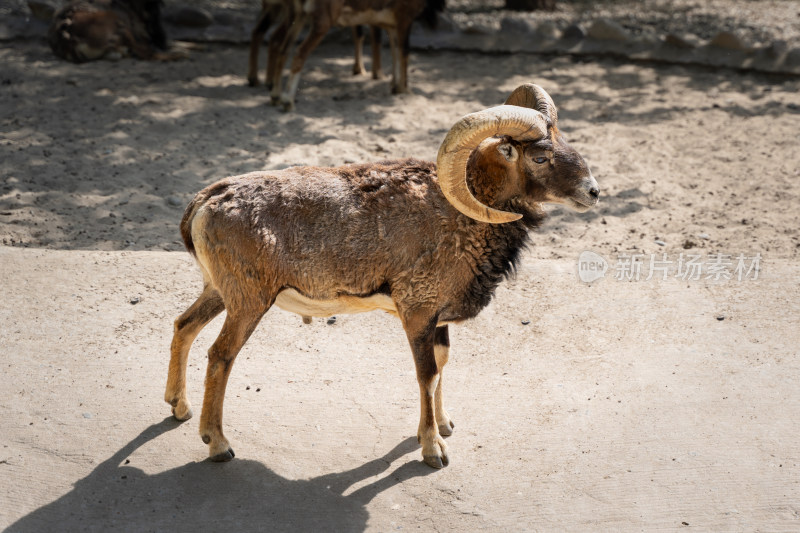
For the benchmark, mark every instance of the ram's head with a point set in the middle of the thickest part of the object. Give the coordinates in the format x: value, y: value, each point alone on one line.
x: 522, y: 141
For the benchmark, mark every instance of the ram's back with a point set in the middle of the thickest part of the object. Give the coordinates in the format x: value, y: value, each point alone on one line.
x: 322, y: 231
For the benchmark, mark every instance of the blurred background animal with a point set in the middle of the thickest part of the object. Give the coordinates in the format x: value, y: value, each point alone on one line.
x: 85, y: 30
x: 290, y: 16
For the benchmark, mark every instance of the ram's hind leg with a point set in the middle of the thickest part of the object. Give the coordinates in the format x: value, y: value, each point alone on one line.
x: 187, y: 326
x: 238, y: 326
x: 441, y: 350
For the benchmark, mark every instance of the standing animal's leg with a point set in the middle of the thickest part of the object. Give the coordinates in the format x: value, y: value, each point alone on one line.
x: 441, y: 350
x: 256, y: 38
x: 420, y: 329
x: 274, y: 49
x: 238, y: 326
x: 358, y: 41
x: 375, y: 44
x: 393, y: 46
x: 294, y: 26
x: 308, y: 45
x: 400, y: 79
x: 187, y: 326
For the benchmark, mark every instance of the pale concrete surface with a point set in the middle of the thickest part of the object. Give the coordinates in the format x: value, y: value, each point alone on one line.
x: 620, y: 406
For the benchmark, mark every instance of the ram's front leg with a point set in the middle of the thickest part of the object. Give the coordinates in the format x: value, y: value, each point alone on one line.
x: 441, y: 350
x: 420, y: 332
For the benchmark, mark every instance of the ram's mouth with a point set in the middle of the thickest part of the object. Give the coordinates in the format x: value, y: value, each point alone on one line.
x: 581, y: 205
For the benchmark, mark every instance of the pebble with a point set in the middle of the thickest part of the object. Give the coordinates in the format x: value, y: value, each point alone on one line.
x: 728, y: 40
x: 573, y: 33
x: 660, y: 243
x: 135, y: 300
x: 720, y: 317
x: 87, y: 415
x: 526, y: 322
x: 331, y: 321
x: 174, y: 201
x: 705, y: 236
x: 607, y: 30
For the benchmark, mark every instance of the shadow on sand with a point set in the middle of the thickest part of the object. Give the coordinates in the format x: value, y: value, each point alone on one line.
x: 242, y: 495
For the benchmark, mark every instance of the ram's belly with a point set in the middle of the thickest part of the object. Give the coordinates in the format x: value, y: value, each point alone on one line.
x: 291, y: 300
x: 351, y: 17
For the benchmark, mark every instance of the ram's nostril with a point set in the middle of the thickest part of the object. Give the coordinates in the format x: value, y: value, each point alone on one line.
x: 594, y: 192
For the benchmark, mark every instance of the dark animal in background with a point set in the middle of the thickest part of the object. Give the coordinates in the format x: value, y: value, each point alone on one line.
x: 428, y: 243
x: 86, y: 30
x: 393, y: 16
x: 287, y: 18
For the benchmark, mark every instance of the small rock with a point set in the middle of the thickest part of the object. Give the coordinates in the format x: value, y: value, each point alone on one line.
x: 688, y: 245
x: 174, y: 201
x: 682, y: 41
x: 728, y: 40
x: 87, y: 415
x: 548, y: 30
x: 573, y: 33
x: 526, y: 322
x: 704, y: 236
x: 720, y: 317
x: 793, y: 58
x: 331, y: 321
x: 135, y: 300
x: 660, y: 243
x: 607, y: 30
x: 191, y: 17
x: 511, y: 24
x: 778, y: 48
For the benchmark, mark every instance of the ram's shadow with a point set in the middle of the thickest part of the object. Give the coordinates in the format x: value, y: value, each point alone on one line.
x: 242, y: 495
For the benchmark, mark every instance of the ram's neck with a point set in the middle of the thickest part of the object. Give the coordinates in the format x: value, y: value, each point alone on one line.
x: 494, y: 253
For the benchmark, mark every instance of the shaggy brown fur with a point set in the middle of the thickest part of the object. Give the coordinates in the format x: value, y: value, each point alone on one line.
x: 321, y: 241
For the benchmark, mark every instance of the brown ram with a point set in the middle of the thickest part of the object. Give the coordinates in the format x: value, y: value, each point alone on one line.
x: 428, y: 243
x: 85, y: 30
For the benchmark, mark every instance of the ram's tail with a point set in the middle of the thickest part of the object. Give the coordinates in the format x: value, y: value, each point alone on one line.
x: 191, y: 210
x: 186, y: 222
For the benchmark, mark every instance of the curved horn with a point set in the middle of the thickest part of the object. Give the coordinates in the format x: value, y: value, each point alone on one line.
x: 465, y: 135
x: 534, y: 97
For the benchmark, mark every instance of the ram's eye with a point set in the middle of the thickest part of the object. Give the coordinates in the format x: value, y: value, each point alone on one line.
x: 540, y: 160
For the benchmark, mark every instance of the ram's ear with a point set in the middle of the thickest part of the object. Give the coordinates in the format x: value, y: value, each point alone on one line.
x: 508, y: 151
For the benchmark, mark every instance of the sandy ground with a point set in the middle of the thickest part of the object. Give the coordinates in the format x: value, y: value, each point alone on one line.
x: 619, y: 405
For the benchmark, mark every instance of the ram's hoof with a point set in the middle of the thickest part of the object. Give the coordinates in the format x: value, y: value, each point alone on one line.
x: 445, y: 430
x: 287, y: 106
x: 252, y: 82
x: 274, y: 100
x: 181, y: 411
x: 435, y: 461
x: 224, y: 456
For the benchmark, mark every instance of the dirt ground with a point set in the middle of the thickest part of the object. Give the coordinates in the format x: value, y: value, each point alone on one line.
x: 621, y: 404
